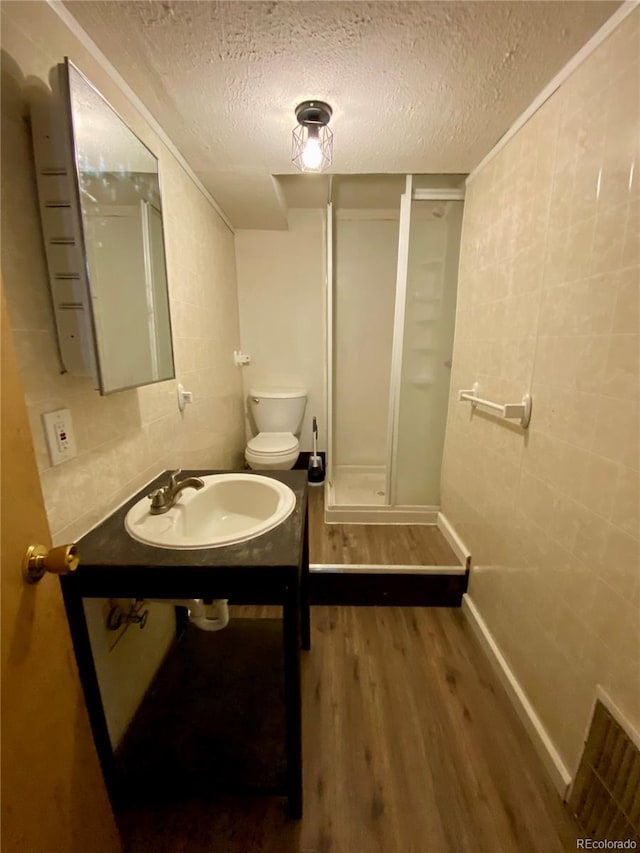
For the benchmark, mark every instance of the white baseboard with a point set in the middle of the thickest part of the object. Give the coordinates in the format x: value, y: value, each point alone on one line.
x: 451, y: 535
x: 380, y: 514
x: 540, y: 738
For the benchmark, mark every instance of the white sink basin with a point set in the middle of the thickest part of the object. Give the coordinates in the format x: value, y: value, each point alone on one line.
x: 230, y: 508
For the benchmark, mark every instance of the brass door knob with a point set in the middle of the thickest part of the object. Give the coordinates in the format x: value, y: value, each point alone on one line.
x: 39, y: 560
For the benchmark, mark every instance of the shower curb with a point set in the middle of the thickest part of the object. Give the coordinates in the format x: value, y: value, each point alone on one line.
x: 375, y: 586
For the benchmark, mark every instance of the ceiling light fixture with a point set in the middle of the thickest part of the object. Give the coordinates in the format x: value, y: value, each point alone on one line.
x: 312, y: 149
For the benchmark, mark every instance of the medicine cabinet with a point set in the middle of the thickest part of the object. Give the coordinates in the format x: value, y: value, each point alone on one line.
x: 101, y: 211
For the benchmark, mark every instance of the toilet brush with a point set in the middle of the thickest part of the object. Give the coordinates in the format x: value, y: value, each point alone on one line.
x: 316, y: 472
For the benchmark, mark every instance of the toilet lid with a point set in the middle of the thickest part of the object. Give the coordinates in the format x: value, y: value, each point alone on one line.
x: 273, y: 442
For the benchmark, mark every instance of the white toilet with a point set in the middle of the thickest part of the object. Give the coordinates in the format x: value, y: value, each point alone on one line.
x: 278, y: 415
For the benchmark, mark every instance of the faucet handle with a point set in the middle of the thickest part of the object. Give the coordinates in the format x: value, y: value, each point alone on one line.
x: 172, y: 477
x: 159, y: 502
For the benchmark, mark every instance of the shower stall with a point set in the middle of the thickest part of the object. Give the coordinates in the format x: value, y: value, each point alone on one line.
x: 393, y: 244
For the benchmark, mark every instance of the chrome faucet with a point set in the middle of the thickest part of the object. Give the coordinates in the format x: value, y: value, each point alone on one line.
x: 164, y: 498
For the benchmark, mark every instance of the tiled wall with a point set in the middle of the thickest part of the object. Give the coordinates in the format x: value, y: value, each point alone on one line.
x: 126, y: 438
x: 548, y: 302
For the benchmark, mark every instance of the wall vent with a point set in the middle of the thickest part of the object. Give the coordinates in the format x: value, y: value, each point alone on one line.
x: 605, y: 797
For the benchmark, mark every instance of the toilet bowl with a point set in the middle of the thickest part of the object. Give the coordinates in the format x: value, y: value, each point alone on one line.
x: 277, y: 413
x: 276, y: 451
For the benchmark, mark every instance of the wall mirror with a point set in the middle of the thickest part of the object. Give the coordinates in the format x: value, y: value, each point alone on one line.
x: 102, y: 222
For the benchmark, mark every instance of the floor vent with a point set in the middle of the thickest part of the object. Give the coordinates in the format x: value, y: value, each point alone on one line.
x: 606, y: 793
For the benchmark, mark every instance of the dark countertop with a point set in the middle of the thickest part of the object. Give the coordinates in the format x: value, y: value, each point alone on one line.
x: 113, y: 564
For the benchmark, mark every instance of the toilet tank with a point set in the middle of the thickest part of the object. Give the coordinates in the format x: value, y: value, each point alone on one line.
x: 278, y: 409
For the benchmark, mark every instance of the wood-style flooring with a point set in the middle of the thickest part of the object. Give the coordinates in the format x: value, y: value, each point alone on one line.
x: 374, y: 544
x: 410, y: 746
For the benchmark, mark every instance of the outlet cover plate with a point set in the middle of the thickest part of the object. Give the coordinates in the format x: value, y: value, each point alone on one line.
x: 61, y: 441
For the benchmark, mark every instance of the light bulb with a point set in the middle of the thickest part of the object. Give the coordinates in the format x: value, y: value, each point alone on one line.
x: 312, y: 153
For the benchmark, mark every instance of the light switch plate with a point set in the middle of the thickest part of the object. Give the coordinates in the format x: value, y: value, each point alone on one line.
x: 61, y: 441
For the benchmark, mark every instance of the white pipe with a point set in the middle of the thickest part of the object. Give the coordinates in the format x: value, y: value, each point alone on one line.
x: 214, y: 616
x: 208, y: 617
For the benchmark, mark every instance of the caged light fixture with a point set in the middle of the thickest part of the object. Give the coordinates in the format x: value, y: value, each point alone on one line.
x: 312, y: 149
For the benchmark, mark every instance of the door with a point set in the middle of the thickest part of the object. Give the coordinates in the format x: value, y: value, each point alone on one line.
x: 53, y: 794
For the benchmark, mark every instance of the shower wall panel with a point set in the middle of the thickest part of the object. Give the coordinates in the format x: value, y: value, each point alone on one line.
x: 432, y: 275
x: 366, y: 251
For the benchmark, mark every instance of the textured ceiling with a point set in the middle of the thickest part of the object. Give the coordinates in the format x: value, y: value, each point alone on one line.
x: 415, y: 86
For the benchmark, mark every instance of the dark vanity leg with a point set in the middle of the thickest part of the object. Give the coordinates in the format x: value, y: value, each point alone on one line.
x: 305, y: 614
x: 89, y: 680
x: 293, y: 699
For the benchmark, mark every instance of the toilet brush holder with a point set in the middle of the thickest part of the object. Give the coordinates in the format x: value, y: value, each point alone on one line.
x: 316, y: 471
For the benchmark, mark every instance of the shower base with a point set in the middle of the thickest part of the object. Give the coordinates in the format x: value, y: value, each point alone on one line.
x: 356, y: 495
x: 359, y: 485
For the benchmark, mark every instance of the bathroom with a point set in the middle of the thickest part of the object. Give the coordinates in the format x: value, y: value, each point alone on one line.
x: 547, y: 303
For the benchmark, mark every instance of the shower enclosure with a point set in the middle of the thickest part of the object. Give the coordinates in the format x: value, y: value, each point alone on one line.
x: 392, y: 259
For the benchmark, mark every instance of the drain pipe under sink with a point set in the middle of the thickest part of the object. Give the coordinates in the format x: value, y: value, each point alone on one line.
x: 208, y: 617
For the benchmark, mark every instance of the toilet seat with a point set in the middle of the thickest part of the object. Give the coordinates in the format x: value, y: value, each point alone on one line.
x: 273, y: 443
x: 272, y: 451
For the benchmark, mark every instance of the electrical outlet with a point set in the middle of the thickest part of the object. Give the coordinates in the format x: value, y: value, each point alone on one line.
x: 61, y: 441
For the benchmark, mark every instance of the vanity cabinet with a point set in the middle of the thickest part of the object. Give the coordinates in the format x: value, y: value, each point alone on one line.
x: 271, y: 569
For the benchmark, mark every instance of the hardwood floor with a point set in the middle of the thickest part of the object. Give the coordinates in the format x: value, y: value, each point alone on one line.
x: 410, y: 746
x: 377, y: 544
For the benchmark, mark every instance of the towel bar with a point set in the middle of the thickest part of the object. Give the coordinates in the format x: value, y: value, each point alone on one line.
x: 509, y: 411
